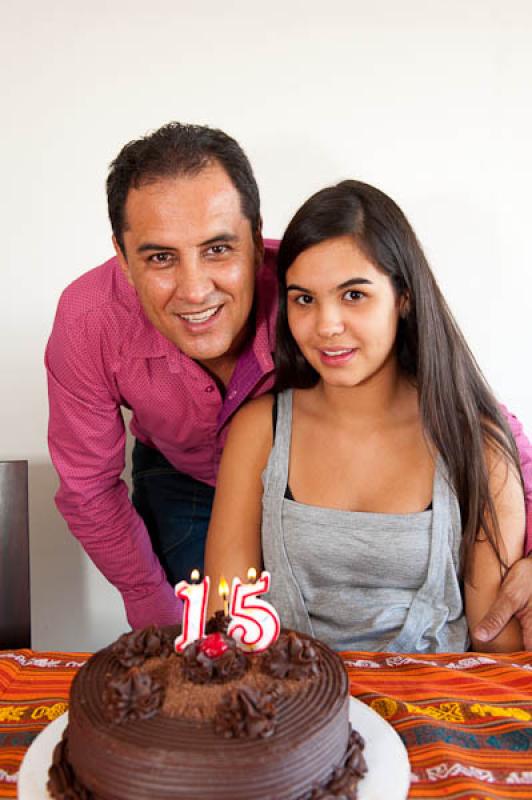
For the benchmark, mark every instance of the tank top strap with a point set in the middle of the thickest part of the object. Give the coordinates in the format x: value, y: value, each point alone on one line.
x: 276, y: 475
x: 285, y: 589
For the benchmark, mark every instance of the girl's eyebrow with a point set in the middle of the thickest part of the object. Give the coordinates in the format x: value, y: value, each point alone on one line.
x: 350, y: 282
x: 296, y: 288
x: 354, y: 282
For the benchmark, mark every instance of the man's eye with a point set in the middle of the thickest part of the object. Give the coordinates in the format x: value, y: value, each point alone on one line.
x: 353, y: 294
x: 304, y: 299
x: 161, y: 259
x: 218, y: 249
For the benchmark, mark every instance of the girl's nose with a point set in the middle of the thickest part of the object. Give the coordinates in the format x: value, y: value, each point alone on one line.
x: 330, y: 323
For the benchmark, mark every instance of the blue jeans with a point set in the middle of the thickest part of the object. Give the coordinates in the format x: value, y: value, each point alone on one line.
x: 176, y: 510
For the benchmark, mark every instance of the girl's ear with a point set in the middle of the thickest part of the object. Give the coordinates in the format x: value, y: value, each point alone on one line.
x: 404, y: 304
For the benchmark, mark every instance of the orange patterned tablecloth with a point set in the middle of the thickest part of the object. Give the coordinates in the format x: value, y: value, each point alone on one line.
x: 465, y: 719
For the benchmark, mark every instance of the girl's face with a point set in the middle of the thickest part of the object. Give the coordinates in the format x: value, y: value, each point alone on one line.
x: 343, y: 312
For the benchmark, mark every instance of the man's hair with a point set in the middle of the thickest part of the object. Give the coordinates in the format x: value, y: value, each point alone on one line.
x: 175, y: 150
x: 459, y: 412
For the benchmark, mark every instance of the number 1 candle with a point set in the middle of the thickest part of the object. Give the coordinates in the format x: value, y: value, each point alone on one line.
x: 194, y: 596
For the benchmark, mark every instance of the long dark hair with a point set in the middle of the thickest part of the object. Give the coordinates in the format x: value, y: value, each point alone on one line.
x: 459, y: 412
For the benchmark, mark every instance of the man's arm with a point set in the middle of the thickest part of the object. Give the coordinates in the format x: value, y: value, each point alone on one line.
x: 514, y: 599
x: 87, y: 445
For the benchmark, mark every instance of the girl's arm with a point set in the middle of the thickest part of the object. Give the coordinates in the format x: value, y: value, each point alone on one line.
x: 485, y: 580
x: 525, y: 455
x: 234, y: 537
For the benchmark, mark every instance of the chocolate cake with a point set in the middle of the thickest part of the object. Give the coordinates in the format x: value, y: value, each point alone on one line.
x: 146, y: 723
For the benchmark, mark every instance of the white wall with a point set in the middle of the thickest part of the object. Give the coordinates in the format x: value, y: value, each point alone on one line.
x: 431, y: 101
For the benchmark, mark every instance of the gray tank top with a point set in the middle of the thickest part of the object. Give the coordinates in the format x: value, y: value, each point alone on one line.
x: 357, y: 580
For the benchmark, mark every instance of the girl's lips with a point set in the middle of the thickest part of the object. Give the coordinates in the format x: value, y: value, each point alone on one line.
x: 337, y: 357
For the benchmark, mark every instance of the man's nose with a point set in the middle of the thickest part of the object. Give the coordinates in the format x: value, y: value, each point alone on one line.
x: 194, y: 283
x: 330, y: 322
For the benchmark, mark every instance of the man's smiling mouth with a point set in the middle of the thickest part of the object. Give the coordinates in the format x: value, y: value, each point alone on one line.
x: 200, y: 316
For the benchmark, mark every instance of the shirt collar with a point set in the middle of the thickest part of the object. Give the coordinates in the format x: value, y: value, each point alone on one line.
x: 266, y: 304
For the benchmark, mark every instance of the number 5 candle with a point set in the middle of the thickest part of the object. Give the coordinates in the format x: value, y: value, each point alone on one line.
x: 254, y: 623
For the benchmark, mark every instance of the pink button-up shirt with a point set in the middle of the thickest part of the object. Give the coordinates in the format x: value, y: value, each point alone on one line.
x: 103, y: 354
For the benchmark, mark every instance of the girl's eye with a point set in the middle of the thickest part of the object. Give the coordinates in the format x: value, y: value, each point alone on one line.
x: 353, y: 294
x: 304, y: 299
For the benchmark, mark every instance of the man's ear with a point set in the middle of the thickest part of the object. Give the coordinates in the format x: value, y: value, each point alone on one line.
x: 121, y: 256
x: 259, y: 245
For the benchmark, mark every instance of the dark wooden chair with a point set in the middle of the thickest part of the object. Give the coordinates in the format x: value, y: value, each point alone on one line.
x: 15, y: 620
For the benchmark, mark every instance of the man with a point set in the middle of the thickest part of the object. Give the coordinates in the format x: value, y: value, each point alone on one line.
x: 178, y: 327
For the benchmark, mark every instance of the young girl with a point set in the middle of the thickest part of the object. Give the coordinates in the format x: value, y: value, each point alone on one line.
x: 381, y: 486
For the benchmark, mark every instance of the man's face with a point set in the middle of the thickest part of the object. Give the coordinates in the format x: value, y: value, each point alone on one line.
x: 190, y: 255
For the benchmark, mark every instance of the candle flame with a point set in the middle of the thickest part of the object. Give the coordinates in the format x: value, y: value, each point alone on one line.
x: 252, y: 575
x: 223, y: 587
x: 195, y: 575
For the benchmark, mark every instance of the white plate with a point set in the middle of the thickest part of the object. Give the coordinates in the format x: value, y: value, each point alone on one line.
x: 388, y: 766
x: 388, y: 774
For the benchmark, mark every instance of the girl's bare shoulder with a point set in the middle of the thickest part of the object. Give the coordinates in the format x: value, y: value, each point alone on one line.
x: 253, y: 422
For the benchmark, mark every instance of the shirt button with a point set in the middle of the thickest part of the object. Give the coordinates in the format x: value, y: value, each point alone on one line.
x: 232, y: 394
x: 209, y: 388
